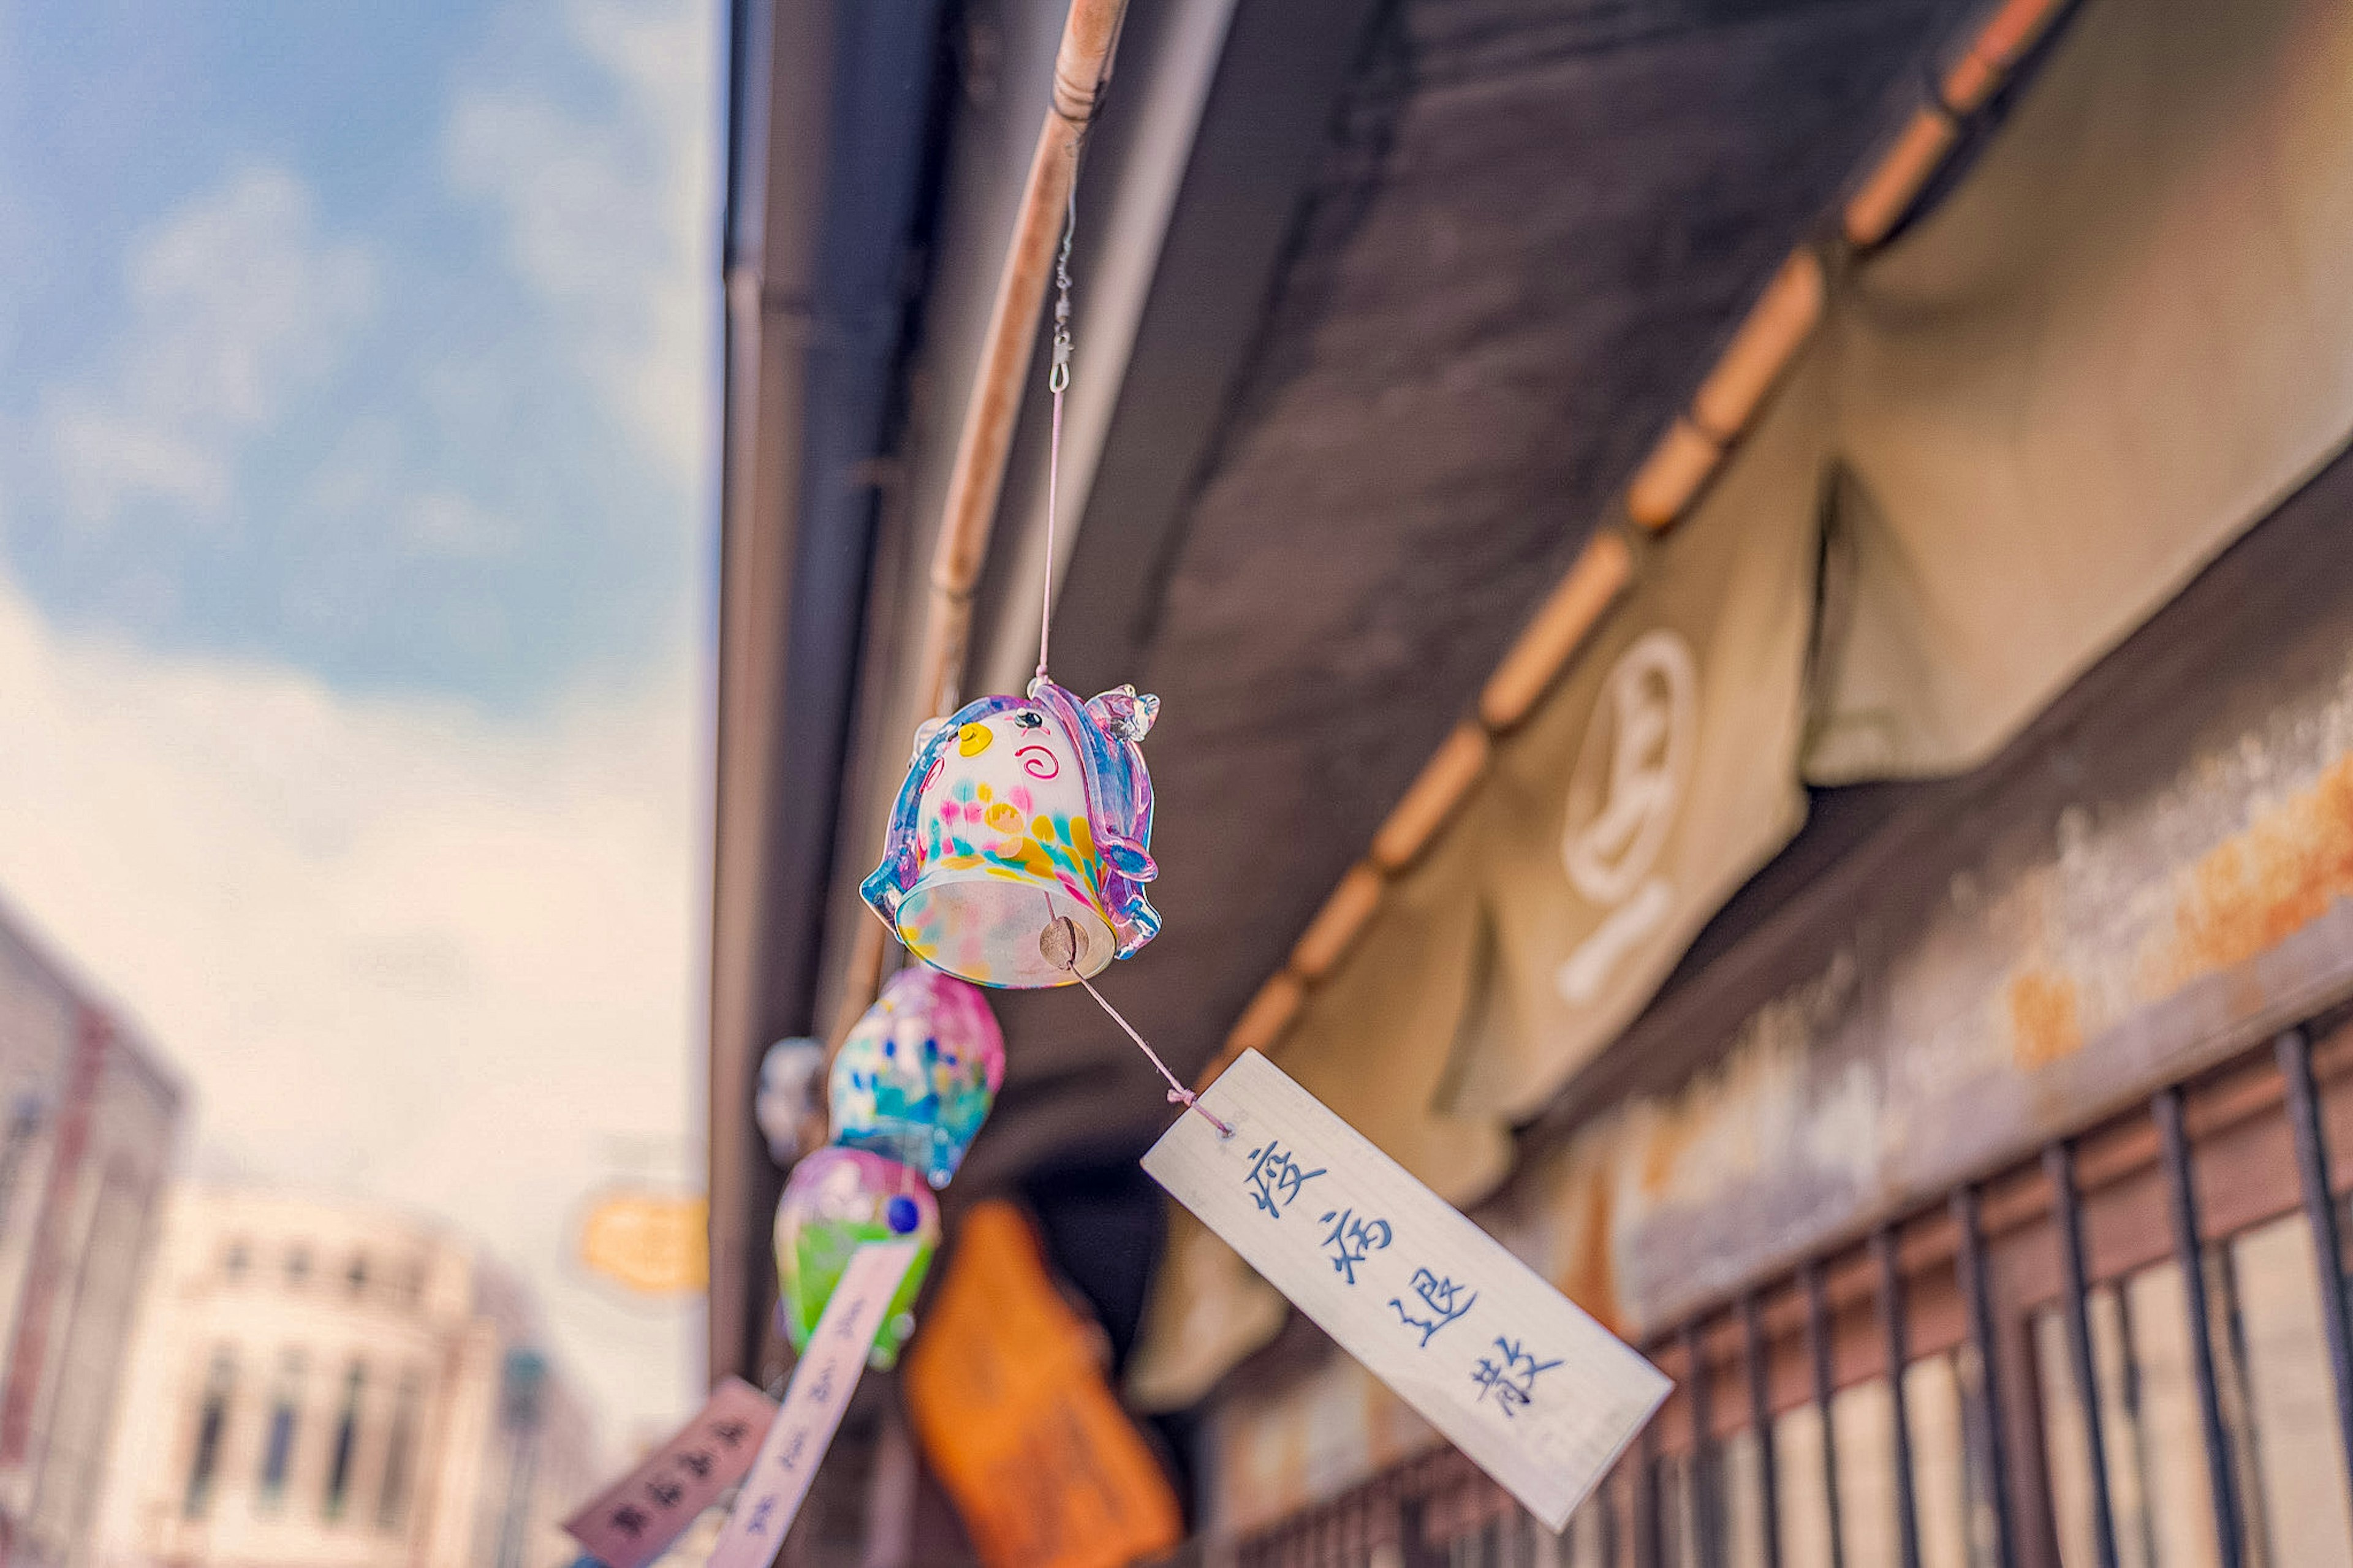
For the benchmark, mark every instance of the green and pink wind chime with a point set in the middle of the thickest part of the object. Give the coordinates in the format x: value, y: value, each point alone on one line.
x: 1016, y: 856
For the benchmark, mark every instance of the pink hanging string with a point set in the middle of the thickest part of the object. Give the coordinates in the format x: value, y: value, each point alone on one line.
x: 1178, y: 1093
x: 1059, y: 941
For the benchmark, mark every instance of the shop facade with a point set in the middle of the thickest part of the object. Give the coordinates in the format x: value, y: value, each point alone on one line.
x: 1755, y: 654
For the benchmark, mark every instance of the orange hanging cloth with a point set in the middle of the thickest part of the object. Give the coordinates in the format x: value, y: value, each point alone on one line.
x: 1006, y: 1392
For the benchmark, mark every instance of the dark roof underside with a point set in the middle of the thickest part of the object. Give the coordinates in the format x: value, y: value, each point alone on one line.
x: 1533, y: 224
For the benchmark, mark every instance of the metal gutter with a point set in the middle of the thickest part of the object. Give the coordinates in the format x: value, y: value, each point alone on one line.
x: 778, y: 99
x: 830, y: 159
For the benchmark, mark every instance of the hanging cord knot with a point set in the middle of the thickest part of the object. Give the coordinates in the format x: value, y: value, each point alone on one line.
x: 1059, y: 944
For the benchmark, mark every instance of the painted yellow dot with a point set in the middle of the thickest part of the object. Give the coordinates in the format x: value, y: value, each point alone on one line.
x: 973, y: 740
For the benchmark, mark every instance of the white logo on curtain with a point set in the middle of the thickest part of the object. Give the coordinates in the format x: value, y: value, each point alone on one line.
x: 1623, y: 793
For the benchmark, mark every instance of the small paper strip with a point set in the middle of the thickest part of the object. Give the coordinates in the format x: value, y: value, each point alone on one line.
x: 820, y: 1390
x: 634, y: 1521
x: 1517, y: 1375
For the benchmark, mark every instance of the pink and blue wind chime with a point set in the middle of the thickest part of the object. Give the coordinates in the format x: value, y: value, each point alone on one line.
x: 1016, y: 857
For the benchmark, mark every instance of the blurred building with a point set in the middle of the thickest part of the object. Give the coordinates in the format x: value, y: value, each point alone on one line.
x: 336, y: 1387
x: 87, y: 1119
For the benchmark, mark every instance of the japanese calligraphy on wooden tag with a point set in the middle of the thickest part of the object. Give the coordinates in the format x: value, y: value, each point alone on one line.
x: 1533, y: 1391
x: 634, y: 1521
x: 822, y: 1384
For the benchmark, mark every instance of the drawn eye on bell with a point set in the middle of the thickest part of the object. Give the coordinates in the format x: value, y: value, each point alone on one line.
x: 1028, y: 719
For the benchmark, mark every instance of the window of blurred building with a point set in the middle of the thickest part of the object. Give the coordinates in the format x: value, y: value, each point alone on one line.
x: 212, y: 1420
x: 285, y: 1418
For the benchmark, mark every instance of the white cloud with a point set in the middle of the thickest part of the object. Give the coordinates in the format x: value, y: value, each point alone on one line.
x: 397, y: 950
x: 444, y: 524
x: 104, y: 455
x: 237, y: 305
x: 609, y: 215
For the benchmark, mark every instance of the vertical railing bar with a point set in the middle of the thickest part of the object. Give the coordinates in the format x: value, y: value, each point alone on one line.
x: 2189, y: 1253
x: 1892, y: 1335
x: 2067, y: 1212
x: 1648, y: 1533
x: 1756, y: 1356
x: 1607, y: 1524
x: 1708, y: 1537
x: 2295, y: 1052
x: 1818, y: 1347
x: 1408, y: 1532
x: 1976, y: 1294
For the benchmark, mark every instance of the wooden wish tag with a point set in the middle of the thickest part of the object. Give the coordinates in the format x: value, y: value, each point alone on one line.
x: 823, y: 1381
x: 633, y: 1521
x: 1536, y: 1394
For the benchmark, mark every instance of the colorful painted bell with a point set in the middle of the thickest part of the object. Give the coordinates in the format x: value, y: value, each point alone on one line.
x: 1015, y: 813
x: 916, y: 1078
x: 837, y: 1200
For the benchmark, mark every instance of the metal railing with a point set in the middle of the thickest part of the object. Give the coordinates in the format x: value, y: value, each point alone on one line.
x: 2050, y: 1436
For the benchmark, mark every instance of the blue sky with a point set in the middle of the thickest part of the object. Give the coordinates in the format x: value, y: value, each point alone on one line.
x: 319, y: 335
x: 358, y: 377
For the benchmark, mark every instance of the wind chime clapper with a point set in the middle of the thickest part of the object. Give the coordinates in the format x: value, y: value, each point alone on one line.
x: 1019, y: 845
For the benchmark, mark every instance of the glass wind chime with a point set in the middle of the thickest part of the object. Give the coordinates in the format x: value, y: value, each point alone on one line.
x: 1016, y: 856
